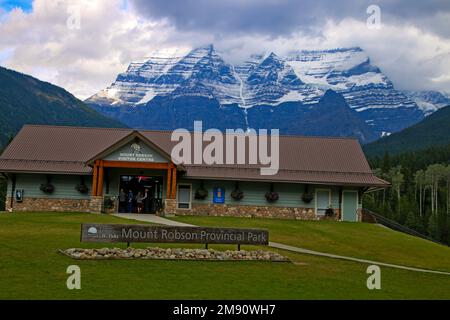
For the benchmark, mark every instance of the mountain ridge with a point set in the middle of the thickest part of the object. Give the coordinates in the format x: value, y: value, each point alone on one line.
x: 433, y: 131
x: 298, y: 77
x: 28, y: 100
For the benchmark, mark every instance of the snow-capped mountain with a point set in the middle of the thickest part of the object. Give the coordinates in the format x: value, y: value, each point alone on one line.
x: 429, y: 101
x: 268, y: 80
x: 202, y: 72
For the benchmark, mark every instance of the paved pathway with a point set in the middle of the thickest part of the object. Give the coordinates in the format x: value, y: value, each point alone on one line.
x: 152, y: 219
x: 334, y: 256
x: 160, y: 220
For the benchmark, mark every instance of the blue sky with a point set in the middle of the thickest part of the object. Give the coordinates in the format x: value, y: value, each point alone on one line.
x: 8, y: 5
x: 412, y: 47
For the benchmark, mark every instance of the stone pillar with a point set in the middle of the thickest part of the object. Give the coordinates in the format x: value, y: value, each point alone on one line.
x: 170, y: 206
x: 359, y: 215
x: 96, y: 204
x: 8, y: 204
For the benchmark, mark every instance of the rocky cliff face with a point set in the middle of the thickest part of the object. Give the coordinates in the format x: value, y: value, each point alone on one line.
x: 265, y: 87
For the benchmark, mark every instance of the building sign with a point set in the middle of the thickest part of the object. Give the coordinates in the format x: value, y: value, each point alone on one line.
x: 136, y: 154
x: 136, y: 151
x: 143, y: 157
x: 171, y: 234
x: 218, y: 195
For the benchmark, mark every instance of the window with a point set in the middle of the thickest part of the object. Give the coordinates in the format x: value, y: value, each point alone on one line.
x: 184, y: 196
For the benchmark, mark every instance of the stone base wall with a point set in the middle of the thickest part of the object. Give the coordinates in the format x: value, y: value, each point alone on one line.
x: 96, y: 204
x: 224, y: 210
x: 42, y: 204
x: 170, y: 207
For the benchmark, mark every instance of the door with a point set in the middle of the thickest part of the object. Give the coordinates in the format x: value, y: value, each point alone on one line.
x: 349, y: 205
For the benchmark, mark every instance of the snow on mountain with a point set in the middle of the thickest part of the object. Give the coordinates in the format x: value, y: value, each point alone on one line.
x: 429, y: 101
x: 203, y: 72
x: 301, y: 76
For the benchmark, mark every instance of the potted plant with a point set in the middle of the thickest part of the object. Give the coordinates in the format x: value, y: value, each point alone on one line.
x: 201, y: 193
x: 108, y: 203
x: 237, y: 194
x: 329, y: 212
x: 307, y: 196
x: 47, y: 187
x: 81, y: 187
x: 272, y: 196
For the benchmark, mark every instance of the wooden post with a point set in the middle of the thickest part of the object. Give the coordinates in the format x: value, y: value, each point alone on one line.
x: 100, y: 179
x: 95, y: 179
x: 13, y: 188
x: 174, y: 183
x: 169, y: 181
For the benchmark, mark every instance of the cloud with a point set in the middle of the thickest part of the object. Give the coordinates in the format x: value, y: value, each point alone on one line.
x: 281, y: 17
x: 412, y: 47
x: 45, y: 44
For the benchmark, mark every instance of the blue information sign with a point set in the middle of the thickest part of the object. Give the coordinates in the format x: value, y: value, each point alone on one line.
x: 219, y: 195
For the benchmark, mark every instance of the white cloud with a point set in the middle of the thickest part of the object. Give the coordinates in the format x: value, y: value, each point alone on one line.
x: 112, y: 33
x: 82, y: 61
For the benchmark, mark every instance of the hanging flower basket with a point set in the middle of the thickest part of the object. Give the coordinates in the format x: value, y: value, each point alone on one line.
x: 201, y: 194
x: 82, y: 188
x: 237, y: 194
x: 307, y: 197
x: 47, y: 188
x: 272, y: 196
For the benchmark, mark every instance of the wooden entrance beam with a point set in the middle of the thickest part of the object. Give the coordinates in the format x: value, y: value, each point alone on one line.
x: 169, y: 183
x: 95, y: 179
x: 100, y: 179
x: 134, y: 165
x: 173, y: 193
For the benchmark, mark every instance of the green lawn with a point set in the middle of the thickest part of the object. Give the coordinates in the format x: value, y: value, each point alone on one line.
x: 359, y: 240
x: 31, y: 268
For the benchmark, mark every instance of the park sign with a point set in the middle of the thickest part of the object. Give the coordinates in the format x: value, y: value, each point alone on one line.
x: 171, y: 234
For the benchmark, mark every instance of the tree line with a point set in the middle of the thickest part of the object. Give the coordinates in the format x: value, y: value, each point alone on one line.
x: 419, y: 196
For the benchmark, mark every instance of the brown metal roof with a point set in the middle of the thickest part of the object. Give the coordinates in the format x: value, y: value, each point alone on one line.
x: 302, y: 159
x: 39, y: 166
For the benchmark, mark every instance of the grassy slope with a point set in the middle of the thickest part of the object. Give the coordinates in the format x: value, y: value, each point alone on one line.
x: 30, y: 267
x: 359, y: 240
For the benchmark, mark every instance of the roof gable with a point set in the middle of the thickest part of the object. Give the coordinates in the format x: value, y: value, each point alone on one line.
x: 135, y: 148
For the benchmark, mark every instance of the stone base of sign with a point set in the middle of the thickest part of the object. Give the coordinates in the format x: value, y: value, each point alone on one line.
x: 225, y: 210
x: 173, y: 254
x: 170, y: 206
x: 45, y: 204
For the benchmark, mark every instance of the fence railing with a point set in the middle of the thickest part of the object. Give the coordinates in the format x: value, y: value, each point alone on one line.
x: 391, y: 224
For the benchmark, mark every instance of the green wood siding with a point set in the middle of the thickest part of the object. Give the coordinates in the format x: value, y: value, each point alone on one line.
x: 64, y: 186
x: 290, y: 194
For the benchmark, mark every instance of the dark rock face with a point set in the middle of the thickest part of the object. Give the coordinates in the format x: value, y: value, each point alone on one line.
x: 266, y: 91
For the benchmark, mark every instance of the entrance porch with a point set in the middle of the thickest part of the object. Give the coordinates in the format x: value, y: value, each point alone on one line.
x: 109, y: 177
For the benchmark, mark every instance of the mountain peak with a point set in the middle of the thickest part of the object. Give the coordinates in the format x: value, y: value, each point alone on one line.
x: 270, y: 79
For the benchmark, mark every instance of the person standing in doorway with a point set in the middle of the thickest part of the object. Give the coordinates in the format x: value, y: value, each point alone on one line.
x: 122, y: 201
x: 130, y: 201
x: 146, y: 201
x: 140, y: 202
